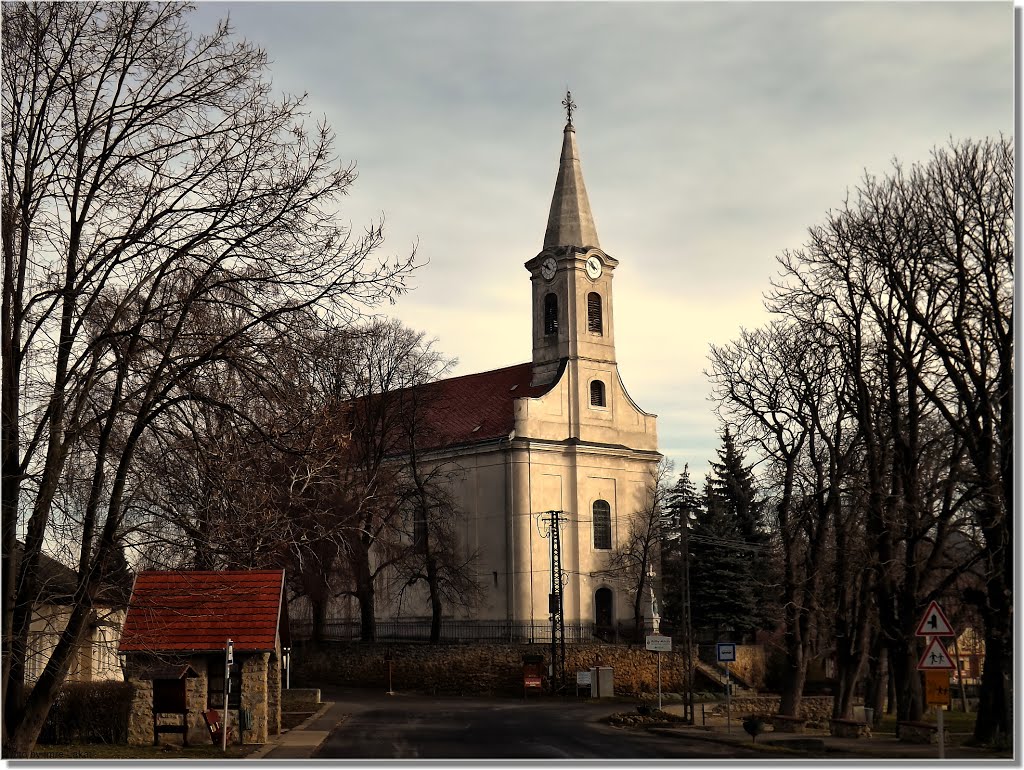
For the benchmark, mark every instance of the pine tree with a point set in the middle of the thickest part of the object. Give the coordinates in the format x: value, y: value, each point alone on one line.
x: 682, y: 506
x: 721, y: 573
x: 733, y: 486
x: 733, y: 515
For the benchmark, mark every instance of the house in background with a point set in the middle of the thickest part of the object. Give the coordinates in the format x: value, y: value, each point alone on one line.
x: 174, y: 640
x: 96, y: 659
x: 969, y: 651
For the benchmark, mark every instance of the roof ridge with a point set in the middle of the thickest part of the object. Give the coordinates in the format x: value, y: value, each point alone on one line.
x: 477, y: 374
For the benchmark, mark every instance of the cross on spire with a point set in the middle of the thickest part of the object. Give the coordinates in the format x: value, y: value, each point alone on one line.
x: 569, y: 105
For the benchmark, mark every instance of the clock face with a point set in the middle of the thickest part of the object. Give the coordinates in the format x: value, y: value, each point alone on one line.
x: 594, y: 267
x: 547, y: 269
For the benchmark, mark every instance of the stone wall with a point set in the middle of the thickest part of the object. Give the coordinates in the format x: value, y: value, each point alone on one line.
x: 473, y: 669
x: 254, y: 696
x: 274, y: 695
x: 195, y: 694
x: 140, y: 718
x: 816, y: 708
x: 299, y: 698
x: 749, y: 664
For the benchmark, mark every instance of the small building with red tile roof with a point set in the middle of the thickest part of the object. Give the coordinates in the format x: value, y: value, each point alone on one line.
x: 558, y: 432
x: 183, y: 619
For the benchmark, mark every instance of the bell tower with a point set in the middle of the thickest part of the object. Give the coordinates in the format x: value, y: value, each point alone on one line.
x: 571, y: 276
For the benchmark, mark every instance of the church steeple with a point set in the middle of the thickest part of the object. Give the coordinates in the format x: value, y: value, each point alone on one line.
x: 570, y: 222
x: 571, y: 281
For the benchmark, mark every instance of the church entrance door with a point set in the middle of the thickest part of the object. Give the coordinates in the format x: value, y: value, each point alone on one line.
x: 603, y: 614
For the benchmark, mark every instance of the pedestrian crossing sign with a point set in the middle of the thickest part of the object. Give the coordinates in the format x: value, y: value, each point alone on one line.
x: 935, y: 657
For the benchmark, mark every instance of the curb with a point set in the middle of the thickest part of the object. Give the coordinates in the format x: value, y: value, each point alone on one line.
x: 275, y: 741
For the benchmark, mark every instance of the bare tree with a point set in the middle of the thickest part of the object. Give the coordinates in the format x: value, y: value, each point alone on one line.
x: 958, y: 288
x: 777, y: 387
x: 436, y: 556
x: 872, y: 280
x: 163, y: 220
x: 383, y: 416
x: 637, y: 557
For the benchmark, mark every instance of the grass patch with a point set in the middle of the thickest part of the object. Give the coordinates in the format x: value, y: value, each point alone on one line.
x: 957, y: 725
x: 952, y: 721
x: 120, y: 751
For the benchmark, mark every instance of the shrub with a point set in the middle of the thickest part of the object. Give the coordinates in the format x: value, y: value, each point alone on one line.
x: 754, y: 724
x: 89, y: 712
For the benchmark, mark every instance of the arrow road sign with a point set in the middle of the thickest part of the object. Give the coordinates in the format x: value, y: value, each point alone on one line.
x: 935, y: 657
x: 934, y: 622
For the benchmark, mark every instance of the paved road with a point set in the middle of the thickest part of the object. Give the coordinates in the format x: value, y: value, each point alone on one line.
x: 417, y: 727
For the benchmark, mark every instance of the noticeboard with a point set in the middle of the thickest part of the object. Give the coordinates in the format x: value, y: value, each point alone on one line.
x: 936, y: 688
x: 659, y: 643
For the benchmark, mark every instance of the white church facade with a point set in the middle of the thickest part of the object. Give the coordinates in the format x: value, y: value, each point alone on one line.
x: 557, y: 433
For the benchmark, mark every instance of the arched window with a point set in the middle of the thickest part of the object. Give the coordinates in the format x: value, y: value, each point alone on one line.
x: 597, y: 393
x: 419, y: 532
x: 550, y: 314
x: 594, y: 325
x: 602, y: 525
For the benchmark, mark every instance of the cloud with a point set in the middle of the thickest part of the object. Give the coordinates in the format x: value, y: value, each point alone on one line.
x: 712, y: 136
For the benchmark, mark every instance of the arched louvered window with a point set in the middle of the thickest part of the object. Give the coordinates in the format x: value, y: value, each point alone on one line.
x: 597, y: 393
x: 602, y: 525
x: 594, y: 320
x: 550, y: 314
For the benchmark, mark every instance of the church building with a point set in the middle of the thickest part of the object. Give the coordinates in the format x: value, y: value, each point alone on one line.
x: 556, y: 433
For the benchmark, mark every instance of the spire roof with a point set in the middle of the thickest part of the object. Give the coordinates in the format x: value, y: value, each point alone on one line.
x: 570, y: 222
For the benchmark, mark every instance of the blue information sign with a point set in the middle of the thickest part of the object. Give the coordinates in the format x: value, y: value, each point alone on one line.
x: 726, y: 653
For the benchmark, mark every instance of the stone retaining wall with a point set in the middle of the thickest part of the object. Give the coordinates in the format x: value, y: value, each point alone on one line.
x: 816, y: 708
x: 496, y: 669
x: 475, y: 669
x: 297, y: 697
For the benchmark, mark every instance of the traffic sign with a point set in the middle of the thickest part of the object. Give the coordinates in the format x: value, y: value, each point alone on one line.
x: 935, y: 657
x: 936, y: 688
x: 934, y: 622
x: 659, y: 643
x: 726, y: 653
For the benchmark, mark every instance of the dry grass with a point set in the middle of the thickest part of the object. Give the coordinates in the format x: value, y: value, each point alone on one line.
x: 111, y: 751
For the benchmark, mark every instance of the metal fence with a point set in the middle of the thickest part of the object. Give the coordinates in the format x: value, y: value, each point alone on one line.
x: 494, y: 631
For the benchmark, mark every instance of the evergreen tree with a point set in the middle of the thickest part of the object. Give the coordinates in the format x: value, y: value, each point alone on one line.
x: 732, y: 524
x: 721, y: 573
x: 682, y: 506
x: 732, y: 484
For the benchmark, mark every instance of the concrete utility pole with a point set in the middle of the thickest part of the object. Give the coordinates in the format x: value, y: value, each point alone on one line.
x: 555, y: 603
x: 687, y: 624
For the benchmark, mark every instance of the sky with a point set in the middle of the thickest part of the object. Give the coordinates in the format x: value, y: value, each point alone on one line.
x: 711, y: 136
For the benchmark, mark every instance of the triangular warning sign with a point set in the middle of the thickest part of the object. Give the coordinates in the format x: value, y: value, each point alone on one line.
x: 935, y: 657
x: 934, y: 622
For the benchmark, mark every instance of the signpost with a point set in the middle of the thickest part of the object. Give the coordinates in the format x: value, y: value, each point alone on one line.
x: 936, y: 664
x: 727, y: 654
x: 659, y: 643
x: 229, y: 658
x: 583, y: 680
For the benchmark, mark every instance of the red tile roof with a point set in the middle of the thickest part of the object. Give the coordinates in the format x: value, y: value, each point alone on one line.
x: 198, y: 611
x: 476, y: 407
